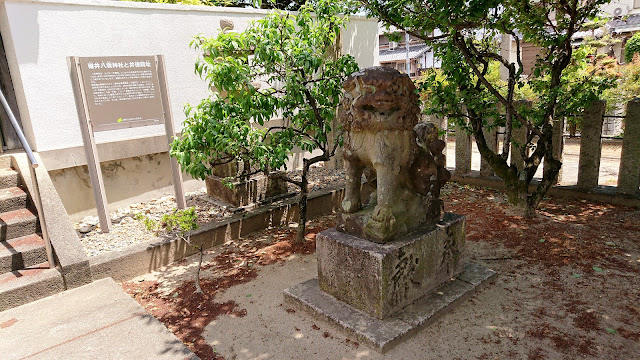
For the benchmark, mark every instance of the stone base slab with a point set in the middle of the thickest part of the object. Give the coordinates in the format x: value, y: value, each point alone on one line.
x: 381, y: 279
x: 382, y: 335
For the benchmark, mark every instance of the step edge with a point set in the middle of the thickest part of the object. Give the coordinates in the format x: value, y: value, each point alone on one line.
x: 47, y: 283
x: 7, y: 250
x: 25, y: 280
x: 29, y: 216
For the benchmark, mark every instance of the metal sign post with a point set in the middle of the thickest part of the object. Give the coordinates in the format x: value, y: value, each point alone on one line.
x: 118, y: 92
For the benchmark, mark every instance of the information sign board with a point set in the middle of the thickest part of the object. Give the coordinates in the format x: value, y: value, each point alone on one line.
x: 117, y: 92
x: 121, y: 91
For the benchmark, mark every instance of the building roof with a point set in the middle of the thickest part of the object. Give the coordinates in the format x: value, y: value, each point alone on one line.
x: 630, y: 24
x: 400, y: 53
x: 383, y: 30
x: 597, y: 33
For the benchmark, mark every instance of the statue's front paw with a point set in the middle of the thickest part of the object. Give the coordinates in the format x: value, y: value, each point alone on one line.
x: 384, y: 215
x: 349, y: 206
x: 382, y: 225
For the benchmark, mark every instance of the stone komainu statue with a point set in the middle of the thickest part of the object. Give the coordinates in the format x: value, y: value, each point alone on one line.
x: 379, y: 113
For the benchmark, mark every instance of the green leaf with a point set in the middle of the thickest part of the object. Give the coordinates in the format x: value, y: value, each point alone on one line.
x: 576, y: 275
x: 610, y: 330
x: 248, y: 295
x: 596, y: 269
x: 541, y: 240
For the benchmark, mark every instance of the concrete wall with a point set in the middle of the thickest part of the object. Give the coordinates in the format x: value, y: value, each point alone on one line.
x: 126, y: 180
x: 39, y: 35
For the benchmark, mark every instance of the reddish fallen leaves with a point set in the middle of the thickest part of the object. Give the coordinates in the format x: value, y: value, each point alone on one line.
x: 585, y: 234
x: 187, y: 314
x: 586, y: 237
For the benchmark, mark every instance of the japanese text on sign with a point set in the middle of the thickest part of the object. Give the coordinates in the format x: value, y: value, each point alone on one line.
x: 122, y: 92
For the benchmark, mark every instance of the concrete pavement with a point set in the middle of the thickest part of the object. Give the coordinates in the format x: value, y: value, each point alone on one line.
x: 98, y: 320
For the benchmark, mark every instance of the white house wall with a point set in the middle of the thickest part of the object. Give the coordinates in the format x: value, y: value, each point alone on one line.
x: 39, y: 36
x: 627, y: 6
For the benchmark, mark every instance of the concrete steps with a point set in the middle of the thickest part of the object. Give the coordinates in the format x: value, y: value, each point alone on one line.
x: 17, y: 223
x: 26, y: 285
x: 5, y: 162
x: 8, y: 178
x: 25, y: 275
x: 22, y: 252
x: 12, y: 198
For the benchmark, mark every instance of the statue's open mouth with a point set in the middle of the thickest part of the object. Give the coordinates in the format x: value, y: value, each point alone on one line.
x: 381, y: 110
x: 381, y: 102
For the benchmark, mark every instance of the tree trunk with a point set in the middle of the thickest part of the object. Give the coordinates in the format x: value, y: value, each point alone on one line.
x: 517, y: 181
x: 518, y: 197
x: 518, y: 191
x: 302, y: 207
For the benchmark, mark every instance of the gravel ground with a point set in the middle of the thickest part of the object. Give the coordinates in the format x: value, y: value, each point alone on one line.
x: 127, y: 230
x: 319, y: 178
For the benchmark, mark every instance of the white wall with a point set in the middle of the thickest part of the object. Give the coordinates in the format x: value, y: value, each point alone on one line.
x: 39, y: 35
x: 627, y: 6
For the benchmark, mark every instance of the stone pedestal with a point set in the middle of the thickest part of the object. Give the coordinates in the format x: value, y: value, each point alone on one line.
x: 410, y: 212
x: 245, y: 192
x: 383, y: 293
x: 383, y: 334
x: 381, y: 279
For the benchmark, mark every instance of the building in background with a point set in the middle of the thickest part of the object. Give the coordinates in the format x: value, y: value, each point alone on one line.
x: 625, y: 22
x: 394, y: 54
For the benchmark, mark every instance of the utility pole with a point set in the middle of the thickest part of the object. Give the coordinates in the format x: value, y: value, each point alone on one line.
x: 407, y: 65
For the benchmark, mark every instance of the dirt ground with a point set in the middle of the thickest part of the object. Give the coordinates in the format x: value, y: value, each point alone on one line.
x: 568, y: 287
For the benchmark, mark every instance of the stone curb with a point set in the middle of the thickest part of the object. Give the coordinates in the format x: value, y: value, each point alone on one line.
x: 606, y: 194
x: 147, y: 256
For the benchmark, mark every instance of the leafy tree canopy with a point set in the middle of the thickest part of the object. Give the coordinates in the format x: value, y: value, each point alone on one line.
x: 276, y: 87
x: 627, y: 85
x: 467, y: 36
x: 260, y: 4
